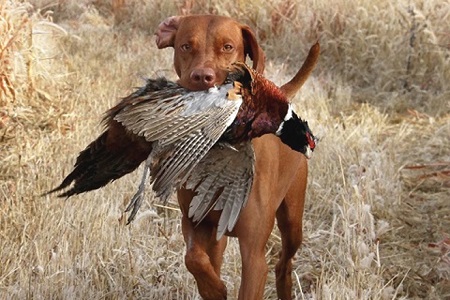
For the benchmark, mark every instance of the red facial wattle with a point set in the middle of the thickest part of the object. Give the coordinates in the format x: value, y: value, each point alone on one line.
x: 311, y: 141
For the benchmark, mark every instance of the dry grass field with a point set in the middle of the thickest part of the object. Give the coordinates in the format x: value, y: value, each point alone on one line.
x: 377, y: 220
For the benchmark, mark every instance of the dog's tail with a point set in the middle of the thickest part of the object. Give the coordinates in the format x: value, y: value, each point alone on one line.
x: 294, y: 85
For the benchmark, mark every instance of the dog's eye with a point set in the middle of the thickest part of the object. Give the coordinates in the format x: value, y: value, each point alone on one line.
x: 228, y: 48
x: 185, y: 47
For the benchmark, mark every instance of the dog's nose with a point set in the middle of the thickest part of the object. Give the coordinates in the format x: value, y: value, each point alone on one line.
x: 203, y: 76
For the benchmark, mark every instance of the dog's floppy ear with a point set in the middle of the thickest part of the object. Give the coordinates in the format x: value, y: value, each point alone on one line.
x: 167, y: 29
x: 253, y: 49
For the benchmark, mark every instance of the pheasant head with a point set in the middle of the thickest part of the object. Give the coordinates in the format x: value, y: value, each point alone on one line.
x: 265, y: 109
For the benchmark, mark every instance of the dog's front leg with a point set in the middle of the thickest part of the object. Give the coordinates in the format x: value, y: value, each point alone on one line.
x: 253, y: 230
x: 204, y: 253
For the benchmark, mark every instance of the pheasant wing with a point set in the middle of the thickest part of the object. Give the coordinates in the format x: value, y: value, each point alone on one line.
x: 183, y: 127
x: 222, y: 180
x: 171, y: 164
x: 172, y: 114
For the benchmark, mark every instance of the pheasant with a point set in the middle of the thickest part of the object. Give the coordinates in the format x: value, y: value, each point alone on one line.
x: 199, y: 139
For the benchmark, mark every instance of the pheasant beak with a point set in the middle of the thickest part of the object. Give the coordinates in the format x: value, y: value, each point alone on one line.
x: 236, y: 92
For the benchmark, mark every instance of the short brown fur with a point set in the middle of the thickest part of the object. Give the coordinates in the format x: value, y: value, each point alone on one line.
x: 205, y: 46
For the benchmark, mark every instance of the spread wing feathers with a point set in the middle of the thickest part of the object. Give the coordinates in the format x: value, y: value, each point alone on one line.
x: 172, y: 117
x: 182, y: 128
x: 222, y: 180
x: 171, y: 164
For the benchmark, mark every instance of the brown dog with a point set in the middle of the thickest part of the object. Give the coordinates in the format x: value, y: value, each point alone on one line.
x: 205, y: 46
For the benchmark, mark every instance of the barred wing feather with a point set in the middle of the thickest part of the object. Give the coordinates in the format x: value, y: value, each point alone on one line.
x: 222, y: 180
x: 183, y: 127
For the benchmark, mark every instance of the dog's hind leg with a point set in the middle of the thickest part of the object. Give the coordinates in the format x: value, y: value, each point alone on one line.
x: 289, y: 220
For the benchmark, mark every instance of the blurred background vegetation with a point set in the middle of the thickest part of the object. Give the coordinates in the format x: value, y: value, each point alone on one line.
x: 377, y: 219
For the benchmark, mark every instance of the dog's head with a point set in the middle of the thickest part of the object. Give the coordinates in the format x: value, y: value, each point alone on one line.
x: 205, y: 47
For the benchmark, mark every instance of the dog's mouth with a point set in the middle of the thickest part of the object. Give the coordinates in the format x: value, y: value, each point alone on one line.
x: 198, y: 83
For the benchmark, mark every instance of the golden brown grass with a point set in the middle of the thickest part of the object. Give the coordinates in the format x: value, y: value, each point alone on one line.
x: 377, y: 218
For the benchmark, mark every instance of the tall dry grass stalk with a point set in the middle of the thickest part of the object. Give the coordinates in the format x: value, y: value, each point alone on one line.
x: 15, y: 34
x: 377, y: 221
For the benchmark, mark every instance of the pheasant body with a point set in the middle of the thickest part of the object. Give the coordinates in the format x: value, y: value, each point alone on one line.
x: 199, y: 139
